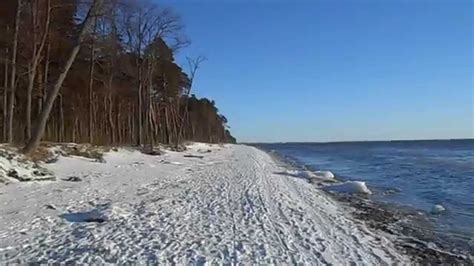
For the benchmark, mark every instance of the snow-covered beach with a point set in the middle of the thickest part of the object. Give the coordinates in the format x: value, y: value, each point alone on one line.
x: 210, y: 204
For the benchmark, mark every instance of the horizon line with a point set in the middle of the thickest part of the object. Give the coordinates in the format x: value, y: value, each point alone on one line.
x: 352, y: 141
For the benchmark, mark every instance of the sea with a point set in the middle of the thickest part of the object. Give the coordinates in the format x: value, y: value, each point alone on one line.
x: 418, y: 174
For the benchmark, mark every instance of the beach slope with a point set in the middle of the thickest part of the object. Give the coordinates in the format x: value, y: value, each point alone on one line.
x: 209, y: 204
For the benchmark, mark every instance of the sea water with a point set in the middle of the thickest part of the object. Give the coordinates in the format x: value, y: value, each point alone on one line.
x: 416, y: 174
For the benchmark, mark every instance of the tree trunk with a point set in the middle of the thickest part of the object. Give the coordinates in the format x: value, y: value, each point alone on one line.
x: 39, y: 100
x: 74, y: 128
x: 11, y: 103
x: 168, y: 127
x: 46, y: 74
x: 149, y: 100
x: 35, y: 139
x: 111, y: 118
x: 152, y: 124
x: 31, y: 82
x: 35, y: 59
x: 117, y: 121
x: 140, y: 108
x: 31, y: 69
x: 91, y: 84
x: 61, y: 119
x: 5, y: 98
x: 133, y: 123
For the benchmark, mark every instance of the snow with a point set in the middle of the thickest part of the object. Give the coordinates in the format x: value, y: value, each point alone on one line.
x: 306, y: 174
x: 351, y: 187
x: 15, y: 167
x: 230, y: 207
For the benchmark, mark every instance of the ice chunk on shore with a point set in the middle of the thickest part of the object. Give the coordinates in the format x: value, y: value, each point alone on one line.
x: 305, y: 174
x: 298, y: 173
x: 351, y: 187
x: 324, y: 174
x: 437, y: 209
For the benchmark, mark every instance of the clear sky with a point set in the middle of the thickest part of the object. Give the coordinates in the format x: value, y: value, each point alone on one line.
x: 335, y: 70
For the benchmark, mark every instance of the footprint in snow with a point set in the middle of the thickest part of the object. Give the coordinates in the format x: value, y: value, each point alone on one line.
x: 168, y: 162
x: 142, y: 191
x: 50, y: 207
x: 73, y: 179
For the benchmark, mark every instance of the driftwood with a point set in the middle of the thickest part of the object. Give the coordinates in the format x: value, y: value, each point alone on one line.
x: 193, y: 156
x: 73, y: 179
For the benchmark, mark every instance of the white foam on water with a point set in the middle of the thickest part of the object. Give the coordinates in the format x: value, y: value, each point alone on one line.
x: 437, y: 209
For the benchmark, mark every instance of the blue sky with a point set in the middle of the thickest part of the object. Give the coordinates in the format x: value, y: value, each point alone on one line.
x: 335, y: 70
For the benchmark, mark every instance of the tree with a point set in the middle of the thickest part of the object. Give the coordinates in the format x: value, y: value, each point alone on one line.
x: 39, y: 37
x: 11, y: 100
x: 193, y: 67
x: 143, y: 24
x: 8, y: 10
x: 91, y: 16
x: 77, y: 85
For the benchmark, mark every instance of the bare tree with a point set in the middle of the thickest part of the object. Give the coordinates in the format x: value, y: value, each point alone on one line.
x: 89, y: 20
x: 193, y: 67
x: 11, y: 100
x: 37, y: 50
x: 143, y: 24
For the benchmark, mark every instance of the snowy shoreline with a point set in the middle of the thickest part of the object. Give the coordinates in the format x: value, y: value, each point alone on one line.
x: 209, y: 204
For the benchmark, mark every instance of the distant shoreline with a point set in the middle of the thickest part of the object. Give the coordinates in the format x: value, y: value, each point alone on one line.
x: 355, y: 141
